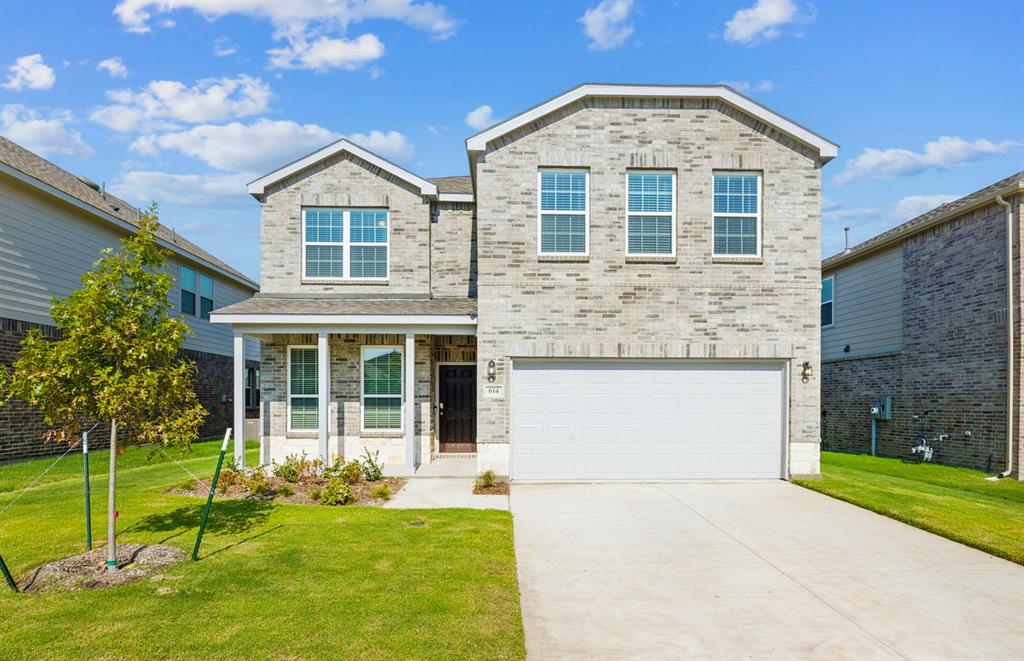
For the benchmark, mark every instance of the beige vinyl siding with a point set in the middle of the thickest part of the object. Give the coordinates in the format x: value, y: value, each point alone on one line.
x: 46, y: 245
x: 867, y: 308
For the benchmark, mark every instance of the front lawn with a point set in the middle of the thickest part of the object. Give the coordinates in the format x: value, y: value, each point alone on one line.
x: 274, y: 580
x: 958, y: 503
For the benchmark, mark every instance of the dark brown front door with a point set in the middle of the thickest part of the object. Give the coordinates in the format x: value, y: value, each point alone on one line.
x: 456, y: 408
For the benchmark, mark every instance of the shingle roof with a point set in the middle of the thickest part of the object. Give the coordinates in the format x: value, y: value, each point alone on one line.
x: 458, y: 184
x: 24, y: 161
x: 937, y: 215
x: 338, y: 305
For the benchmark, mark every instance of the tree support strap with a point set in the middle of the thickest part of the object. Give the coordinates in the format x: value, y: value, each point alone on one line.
x: 7, y: 575
x: 209, y: 498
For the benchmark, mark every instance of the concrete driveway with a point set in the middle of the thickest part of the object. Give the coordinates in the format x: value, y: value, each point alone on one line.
x: 750, y: 570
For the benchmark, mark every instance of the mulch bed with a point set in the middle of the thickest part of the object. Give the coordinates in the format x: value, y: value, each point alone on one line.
x: 88, y: 571
x: 499, y: 488
x: 302, y: 491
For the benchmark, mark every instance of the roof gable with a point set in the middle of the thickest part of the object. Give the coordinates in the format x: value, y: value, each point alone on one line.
x: 256, y: 188
x: 826, y: 149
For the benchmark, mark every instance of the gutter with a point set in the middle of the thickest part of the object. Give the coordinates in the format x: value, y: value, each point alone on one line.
x: 1009, y: 334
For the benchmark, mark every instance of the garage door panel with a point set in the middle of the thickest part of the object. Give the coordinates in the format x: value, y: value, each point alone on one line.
x: 633, y: 421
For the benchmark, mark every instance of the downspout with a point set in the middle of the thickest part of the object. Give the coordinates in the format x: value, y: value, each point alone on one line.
x: 1009, y: 335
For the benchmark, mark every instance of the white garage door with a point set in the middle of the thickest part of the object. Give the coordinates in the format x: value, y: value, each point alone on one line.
x: 629, y: 421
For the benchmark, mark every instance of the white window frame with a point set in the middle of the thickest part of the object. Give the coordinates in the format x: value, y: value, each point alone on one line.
x: 345, y: 244
x: 363, y: 395
x: 831, y: 300
x: 288, y: 390
x: 586, y: 214
x: 759, y: 216
x: 671, y: 214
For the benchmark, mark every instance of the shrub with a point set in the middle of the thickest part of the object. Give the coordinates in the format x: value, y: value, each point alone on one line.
x: 288, y: 470
x: 256, y: 482
x: 351, y: 472
x: 380, y: 492
x: 285, y: 490
x: 337, y: 492
x: 228, y: 475
x: 331, y: 469
x: 372, y: 468
x: 188, y: 485
x: 485, y: 479
x: 315, y: 495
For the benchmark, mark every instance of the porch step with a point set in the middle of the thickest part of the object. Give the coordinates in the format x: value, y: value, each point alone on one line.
x: 442, y: 456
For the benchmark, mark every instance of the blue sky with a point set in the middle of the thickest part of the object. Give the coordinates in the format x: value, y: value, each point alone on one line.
x: 186, y: 100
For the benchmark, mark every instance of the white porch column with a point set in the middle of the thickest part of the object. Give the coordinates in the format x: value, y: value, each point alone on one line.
x: 239, y: 400
x: 410, y: 403
x: 323, y: 372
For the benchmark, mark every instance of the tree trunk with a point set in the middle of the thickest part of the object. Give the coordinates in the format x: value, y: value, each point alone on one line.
x: 111, y: 509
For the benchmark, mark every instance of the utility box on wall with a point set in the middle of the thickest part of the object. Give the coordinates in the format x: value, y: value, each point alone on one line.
x: 881, y: 409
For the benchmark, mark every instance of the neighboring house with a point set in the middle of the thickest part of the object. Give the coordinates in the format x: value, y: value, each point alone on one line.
x: 625, y: 287
x: 53, y: 226
x: 919, y: 314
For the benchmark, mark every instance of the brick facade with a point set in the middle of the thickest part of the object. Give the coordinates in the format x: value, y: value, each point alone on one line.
x: 22, y: 427
x: 951, y: 376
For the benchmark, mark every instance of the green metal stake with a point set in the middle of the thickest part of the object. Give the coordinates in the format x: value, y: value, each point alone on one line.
x: 88, y: 501
x: 7, y: 575
x: 209, y: 499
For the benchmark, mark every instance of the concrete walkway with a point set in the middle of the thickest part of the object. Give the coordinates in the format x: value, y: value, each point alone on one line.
x: 750, y: 570
x: 431, y: 492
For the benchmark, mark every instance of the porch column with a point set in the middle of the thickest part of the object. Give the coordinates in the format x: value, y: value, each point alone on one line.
x: 239, y: 400
x: 410, y: 403
x: 323, y: 371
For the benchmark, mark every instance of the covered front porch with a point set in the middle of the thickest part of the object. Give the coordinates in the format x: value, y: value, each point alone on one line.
x: 394, y: 376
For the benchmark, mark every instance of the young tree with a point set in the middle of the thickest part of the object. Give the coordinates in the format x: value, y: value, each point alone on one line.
x: 117, y: 358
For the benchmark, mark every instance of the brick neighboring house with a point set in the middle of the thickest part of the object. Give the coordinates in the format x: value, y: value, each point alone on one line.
x: 625, y: 287
x: 919, y: 313
x: 53, y: 226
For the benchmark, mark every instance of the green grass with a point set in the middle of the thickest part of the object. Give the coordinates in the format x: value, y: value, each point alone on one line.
x: 957, y: 503
x: 278, y: 581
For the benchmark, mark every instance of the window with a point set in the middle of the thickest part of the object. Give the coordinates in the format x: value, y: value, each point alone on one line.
x: 252, y: 387
x: 650, y: 213
x: 205, y: 296
x: 827, y: 301
x: 188, y: 290
x: 382, y: 388
x: 303, y: 413
x: 562, y: 227
x: 737, y: 214
x: 332, y: 253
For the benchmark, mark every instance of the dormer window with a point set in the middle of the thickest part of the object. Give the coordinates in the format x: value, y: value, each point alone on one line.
x: 345, y: 244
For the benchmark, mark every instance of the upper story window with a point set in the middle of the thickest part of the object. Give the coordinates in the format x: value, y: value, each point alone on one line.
x: 650, y: 213
x: 189, y: 281
x: 827, y: 300
x: 564, y: 208
x: 737, y: 214
x: 345, y: 244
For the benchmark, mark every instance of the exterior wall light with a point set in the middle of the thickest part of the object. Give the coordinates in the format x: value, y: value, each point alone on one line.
x: 806, y: 371
x: 491, y: 370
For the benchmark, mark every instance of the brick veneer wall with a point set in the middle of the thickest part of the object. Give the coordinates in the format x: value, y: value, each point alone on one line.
x: 951, y: 375
x: 22, y: 427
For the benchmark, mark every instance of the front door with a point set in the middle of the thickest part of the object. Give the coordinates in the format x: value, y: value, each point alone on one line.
x: 456, y: 408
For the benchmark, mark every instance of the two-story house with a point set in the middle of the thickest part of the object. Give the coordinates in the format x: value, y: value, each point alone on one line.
x: 53, y: 226
x: 625, y: 287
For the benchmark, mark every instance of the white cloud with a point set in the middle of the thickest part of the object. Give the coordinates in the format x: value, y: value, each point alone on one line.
x: 45, y: 135
x: 252, y: 148
x: 29, y: 72
x: 763, y: 21
x: 747, y: 86
x: 114, y: 67
x: 607, y: 24
x: 391, y: 144
x: 163, y: 104
x: 844, y: 214
x: 314, y: 30
x: 327, y: 53
x: 143, y: 187
x: 913, y: 206
x: 223, y: 47
x: 827, y: 203
x: 480, y: 118
x: 941, y: 154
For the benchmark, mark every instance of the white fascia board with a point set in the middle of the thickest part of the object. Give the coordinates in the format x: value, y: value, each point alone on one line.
x: 826, y: 150
x: 319, y: 320
x: 259, y: 185
x: 455, y: 197
x: 123, y: 224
